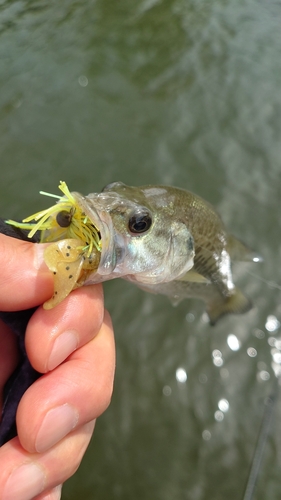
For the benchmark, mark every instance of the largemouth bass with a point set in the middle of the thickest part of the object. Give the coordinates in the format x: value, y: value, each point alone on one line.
x: 164, y: 239
x: 170, y: 241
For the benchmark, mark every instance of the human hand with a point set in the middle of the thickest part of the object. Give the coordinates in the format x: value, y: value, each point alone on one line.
x: 73, y: 346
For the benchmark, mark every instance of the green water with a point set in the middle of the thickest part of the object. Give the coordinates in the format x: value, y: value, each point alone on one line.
x: 176, y: 92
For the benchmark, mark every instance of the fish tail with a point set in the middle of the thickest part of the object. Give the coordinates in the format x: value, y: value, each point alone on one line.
x: 237, y: 303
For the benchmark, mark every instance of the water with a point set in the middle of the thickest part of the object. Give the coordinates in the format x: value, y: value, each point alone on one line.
x: 175, y: 92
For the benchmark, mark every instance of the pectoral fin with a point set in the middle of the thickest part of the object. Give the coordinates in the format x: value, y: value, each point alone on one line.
x: 239, y: 251
x: 194, y: 277
x: 237, y: 303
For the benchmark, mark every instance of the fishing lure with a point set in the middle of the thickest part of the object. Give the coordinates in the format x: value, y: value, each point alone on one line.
x: 75, y: 252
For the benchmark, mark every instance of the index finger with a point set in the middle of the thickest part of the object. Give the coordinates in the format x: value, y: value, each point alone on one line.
x: 25, y: 279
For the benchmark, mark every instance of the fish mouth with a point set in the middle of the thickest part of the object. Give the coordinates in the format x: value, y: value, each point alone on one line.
x: 100, y: 218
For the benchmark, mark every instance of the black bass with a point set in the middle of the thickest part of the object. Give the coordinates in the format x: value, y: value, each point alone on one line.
x: 164, y: 239
x: 170, y: 241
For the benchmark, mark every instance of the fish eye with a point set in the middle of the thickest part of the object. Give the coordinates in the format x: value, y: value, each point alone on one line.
x: 140, y: 223
x: 64, y: 218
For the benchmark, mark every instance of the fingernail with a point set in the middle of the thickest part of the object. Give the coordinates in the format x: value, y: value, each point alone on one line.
x: 64, y: 345
x: 24, y: 483
x: 54, y: 494
x: 57, y: 423
x: 39, y: 249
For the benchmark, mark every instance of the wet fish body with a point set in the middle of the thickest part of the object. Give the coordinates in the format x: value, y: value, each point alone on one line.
x: 167, y: 240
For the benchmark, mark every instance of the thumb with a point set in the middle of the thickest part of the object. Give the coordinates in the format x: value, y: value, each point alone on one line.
x: 25, y: 280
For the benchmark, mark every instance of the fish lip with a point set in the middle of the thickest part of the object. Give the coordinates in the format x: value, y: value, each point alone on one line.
x: 101, y: 219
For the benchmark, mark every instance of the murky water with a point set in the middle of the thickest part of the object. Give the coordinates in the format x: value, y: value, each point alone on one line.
x: 176, y: 92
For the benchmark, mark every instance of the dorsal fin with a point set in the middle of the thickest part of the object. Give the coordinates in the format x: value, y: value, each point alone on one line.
x: 239, y: 251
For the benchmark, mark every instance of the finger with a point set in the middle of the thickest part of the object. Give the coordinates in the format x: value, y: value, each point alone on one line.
x: 25, y: 278
x: 76, y: 392
x: 27, y: 475
x: 52, y: 335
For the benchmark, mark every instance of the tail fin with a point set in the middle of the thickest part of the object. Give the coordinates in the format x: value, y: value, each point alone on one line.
x: 237, y: 303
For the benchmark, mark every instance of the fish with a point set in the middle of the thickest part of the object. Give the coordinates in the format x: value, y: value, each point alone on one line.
x: 167, y: 240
